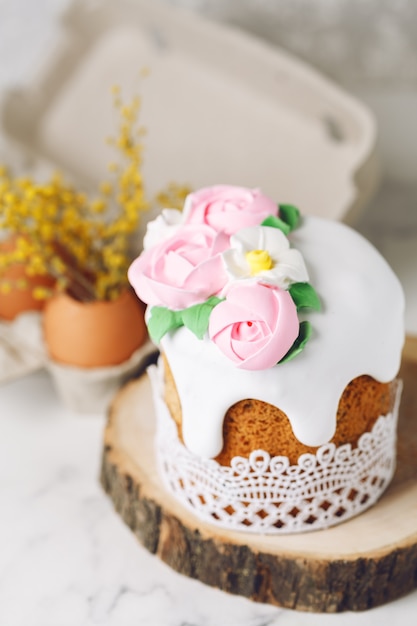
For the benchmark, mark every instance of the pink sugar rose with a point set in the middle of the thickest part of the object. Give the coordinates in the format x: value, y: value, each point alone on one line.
x: 228, y: 208
x: 255, y: 326
x: 182, y: 270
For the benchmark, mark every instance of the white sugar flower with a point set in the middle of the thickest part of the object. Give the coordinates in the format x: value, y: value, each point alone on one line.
x: 263, y: 253
x: 165, y: 225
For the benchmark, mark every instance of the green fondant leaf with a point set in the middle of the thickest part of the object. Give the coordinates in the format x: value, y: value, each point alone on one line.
x: 196, y: 318
x: 276, y: 222
x: 161, y: 321
x: 290, y: 215
x: 299, y: 344
x: 305, y: 296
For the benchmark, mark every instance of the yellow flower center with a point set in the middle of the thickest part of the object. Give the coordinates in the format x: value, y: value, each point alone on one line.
x: 259, y: 261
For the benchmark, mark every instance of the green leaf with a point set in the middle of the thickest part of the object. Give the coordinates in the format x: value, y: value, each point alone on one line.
x: 290, y: 215
x: 299, y: 344
x: 196, y: 318
x: 276, y: 222
x: 305, y: 296
x: 161, y: 321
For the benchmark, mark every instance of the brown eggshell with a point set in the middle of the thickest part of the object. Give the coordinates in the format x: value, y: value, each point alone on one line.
x: 93, y: 334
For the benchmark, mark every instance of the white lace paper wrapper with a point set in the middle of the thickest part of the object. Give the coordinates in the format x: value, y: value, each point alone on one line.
x: 261, y: 494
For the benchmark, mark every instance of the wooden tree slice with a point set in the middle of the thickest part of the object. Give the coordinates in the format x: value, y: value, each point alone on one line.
x: 362, y: 563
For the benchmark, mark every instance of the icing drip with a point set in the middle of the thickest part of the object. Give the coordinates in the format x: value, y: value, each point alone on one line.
x: 359, y: 331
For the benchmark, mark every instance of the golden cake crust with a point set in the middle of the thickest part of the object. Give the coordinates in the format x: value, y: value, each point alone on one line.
x: 253, y: 424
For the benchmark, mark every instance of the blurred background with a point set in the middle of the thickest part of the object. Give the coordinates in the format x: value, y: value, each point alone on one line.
x: 369, y: 47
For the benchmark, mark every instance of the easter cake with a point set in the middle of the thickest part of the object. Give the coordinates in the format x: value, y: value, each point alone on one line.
x: 276, y: 392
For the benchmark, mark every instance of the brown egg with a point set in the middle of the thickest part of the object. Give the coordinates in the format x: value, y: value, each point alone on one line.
x: 93, y: 334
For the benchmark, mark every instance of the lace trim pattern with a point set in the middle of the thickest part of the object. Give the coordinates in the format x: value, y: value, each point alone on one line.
x: 261, y: 494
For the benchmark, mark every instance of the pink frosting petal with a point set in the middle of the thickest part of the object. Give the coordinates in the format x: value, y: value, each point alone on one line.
x: 176, y: 268
x: 223, y: 342
x: 280, y: 341
x: 228, y: 208
x: 247, y: 331
x: 245, y: 349
x: 258, y: 302
x: 226, y: 314
x: 175, y: 298
x: 209, y: 277
x: 255, y: 326
x: 182, y: 270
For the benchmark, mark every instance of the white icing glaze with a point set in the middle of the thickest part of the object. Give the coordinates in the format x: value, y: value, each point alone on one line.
x: 359, y: 331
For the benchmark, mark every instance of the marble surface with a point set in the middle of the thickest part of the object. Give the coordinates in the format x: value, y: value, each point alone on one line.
x: 66, y: 558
